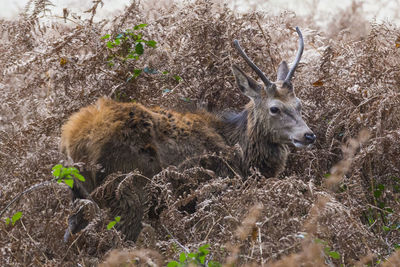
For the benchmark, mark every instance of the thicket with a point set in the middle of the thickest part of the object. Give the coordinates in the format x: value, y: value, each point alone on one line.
x: 337, y: 203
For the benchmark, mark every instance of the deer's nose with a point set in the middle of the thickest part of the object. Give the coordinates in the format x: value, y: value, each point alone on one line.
x: 310, y: 137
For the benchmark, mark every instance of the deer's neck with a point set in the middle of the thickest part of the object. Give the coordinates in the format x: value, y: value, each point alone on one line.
x: 256, y: 142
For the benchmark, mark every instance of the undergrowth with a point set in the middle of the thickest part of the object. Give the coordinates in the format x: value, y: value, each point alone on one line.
x: 335, y: 204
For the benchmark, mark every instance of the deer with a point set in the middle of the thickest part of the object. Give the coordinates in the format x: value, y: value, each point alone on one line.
x: 122, y: 137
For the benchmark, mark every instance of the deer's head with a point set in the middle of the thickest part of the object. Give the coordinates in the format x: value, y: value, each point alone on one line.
x: 275, y: 111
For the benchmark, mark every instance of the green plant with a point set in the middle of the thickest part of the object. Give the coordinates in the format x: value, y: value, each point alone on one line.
x: 128, y: 45
x: 327, y: 249
x: 14, y: 218
x: 198, y: 258
x: 65, y: 174
x: 381, y: 209
x: 113, y: 223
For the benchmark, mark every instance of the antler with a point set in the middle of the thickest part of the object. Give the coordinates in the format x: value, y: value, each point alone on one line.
x: 251, y: 63
x: 298, y: 57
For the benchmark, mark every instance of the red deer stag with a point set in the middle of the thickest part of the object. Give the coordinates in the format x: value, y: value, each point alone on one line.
x: 128, y: 136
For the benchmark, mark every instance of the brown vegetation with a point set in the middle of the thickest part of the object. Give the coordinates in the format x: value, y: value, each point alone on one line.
x: 347, y: 82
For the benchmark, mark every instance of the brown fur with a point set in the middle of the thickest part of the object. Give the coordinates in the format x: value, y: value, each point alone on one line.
x: 128, y: 136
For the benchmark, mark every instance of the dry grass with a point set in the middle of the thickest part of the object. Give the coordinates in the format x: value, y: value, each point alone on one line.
x: 349, y: 80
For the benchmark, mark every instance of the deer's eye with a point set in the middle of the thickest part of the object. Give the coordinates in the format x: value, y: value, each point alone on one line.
x: 274, y: 110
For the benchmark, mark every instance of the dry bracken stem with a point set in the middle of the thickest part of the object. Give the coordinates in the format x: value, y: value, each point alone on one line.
x: 175, y: 240
x: 230, y: 167
x: 70, y: 246
x: 371, y: 179
x: 384, y: 211
x: 260, y: 242
x: 30, y: 237
x: 35, y: 242
x: 30, y: 189
x: 205, y: 239
x: 266, y: 40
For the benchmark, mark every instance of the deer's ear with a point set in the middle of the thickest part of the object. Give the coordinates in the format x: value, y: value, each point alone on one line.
x: 282, y: 71
x: 247, y: 85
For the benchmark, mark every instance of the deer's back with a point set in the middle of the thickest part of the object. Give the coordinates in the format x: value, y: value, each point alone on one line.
x: 127, y: 136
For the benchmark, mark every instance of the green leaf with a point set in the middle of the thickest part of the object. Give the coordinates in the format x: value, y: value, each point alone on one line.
x: 177, y: 78
x: 173, y: 264
x: 396, y: 246
x: 139, y: 49
x: 140, y: 26
x: 16, y: 217
x: 130, y: 55
x: 117, y: 41
x: 135, y: 37
x: 138, y: 38
x: 165, y: 72
x: 136, y: 72
x: 69, y: 182
x: 151, y: 43
x: 111, y: 225
x: 57, y: 170
x: 182, y: 257
x: 105, y: 36
x: 371, y: 220
x: 381, y: 187
x: 214, y: 264
x: 202, y: 259
x: 385, y: 228
x: 327, y: 175
x: 64, y: 172
x: 118, y: 218
x: 204, y: 248
x: 320, y: 241
x: 334, y: 255
x: 377, y: 193
x: 110, y: 44
x: 78, y: 175
x: 389, y: 210
x: 8, y: 221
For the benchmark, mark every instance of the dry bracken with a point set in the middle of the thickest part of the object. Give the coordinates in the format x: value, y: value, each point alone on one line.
x: 348, y: 80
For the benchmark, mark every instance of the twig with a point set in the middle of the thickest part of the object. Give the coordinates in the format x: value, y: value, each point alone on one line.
x: 69, y: 247
x: 230, y: 167
x: 34, y: 241
x: 384, y: 211
x: 30, y: 237
x: 32, y: 188
x: 259, y: 241
x: 175, y: 240
x: 266, y: 40
x: 215, y: 223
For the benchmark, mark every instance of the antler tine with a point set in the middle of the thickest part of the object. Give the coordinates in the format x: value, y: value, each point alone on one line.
x: 298, y: 56
x: 251, y: 63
